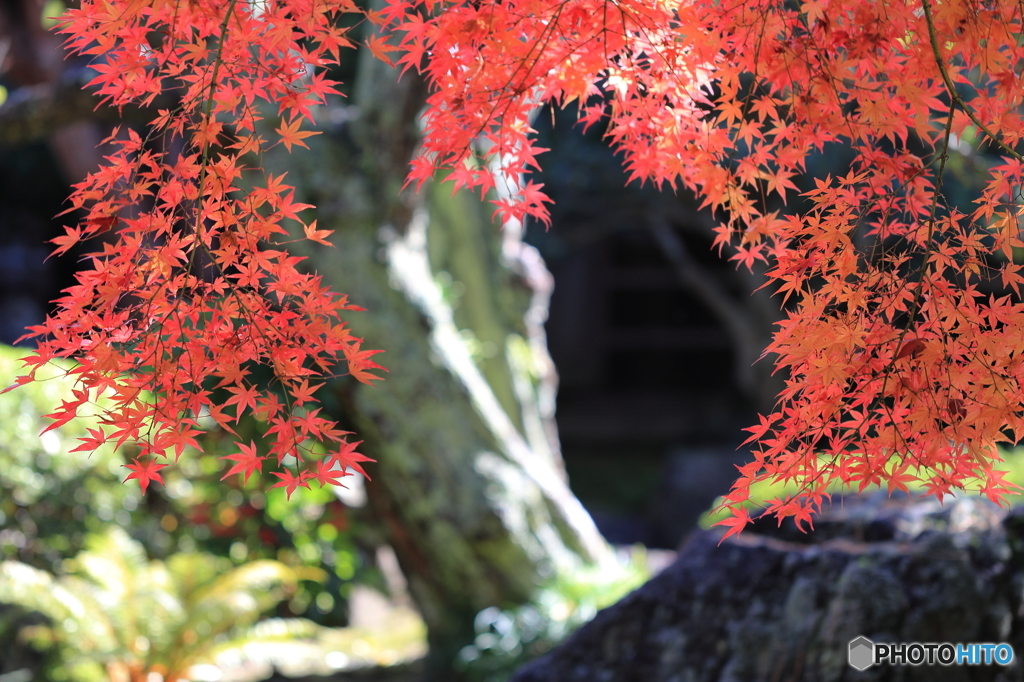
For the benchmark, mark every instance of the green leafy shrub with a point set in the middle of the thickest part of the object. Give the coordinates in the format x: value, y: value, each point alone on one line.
x: 50, y: 498
x: 118, y: 616
x: 507, y: 638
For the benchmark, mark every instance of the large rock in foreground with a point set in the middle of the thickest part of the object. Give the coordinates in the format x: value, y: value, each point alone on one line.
x: 776, y: 605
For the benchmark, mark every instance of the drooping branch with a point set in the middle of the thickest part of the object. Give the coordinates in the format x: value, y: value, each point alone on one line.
x: 230, y: 301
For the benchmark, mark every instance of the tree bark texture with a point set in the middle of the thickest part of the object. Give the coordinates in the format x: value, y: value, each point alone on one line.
x: 468, y: 484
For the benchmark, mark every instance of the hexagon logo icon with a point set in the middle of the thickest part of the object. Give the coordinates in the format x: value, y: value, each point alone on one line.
x: 862, y: 653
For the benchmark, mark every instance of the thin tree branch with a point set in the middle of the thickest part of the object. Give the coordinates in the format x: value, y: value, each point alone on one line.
x: 954, y: 96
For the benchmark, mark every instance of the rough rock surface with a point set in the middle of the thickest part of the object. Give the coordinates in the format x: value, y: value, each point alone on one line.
x: 776, y: 605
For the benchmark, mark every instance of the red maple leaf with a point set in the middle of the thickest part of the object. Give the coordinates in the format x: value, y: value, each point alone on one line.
x: 348, y: 458
x: 247, y: 462
x: 327, y: 474
x: 290, y: 481
x: 910, y: 348
x: 292, y: 136
x: 736, y: 522
x: 145, y: 472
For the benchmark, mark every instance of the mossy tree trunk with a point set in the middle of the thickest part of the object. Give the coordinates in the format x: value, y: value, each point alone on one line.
x: 468, y: 487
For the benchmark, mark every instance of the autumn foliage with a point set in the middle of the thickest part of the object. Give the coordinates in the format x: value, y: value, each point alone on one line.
x: 196, y: 295
x: 901, y: 365
x: 904, y: 333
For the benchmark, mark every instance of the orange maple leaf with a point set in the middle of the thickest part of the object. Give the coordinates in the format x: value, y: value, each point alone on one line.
x: 291, y: 135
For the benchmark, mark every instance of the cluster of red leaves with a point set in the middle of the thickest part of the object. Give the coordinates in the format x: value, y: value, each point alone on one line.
x: 901, y: 367
x: 196, y: 310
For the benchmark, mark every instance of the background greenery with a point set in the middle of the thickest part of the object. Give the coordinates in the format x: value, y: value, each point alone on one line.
x: 98, y: 581
x: 54, y: 503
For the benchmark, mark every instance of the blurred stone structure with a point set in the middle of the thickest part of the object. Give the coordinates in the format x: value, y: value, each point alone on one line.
x: 777, y: 605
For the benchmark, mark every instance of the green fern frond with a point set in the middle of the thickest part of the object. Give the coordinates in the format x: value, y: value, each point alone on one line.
x: 139, y: 595
x: 78, y: 619
x: 190, y: 571
x: 242, y: 594
x: 121, y: 610
x: 276, y: 642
